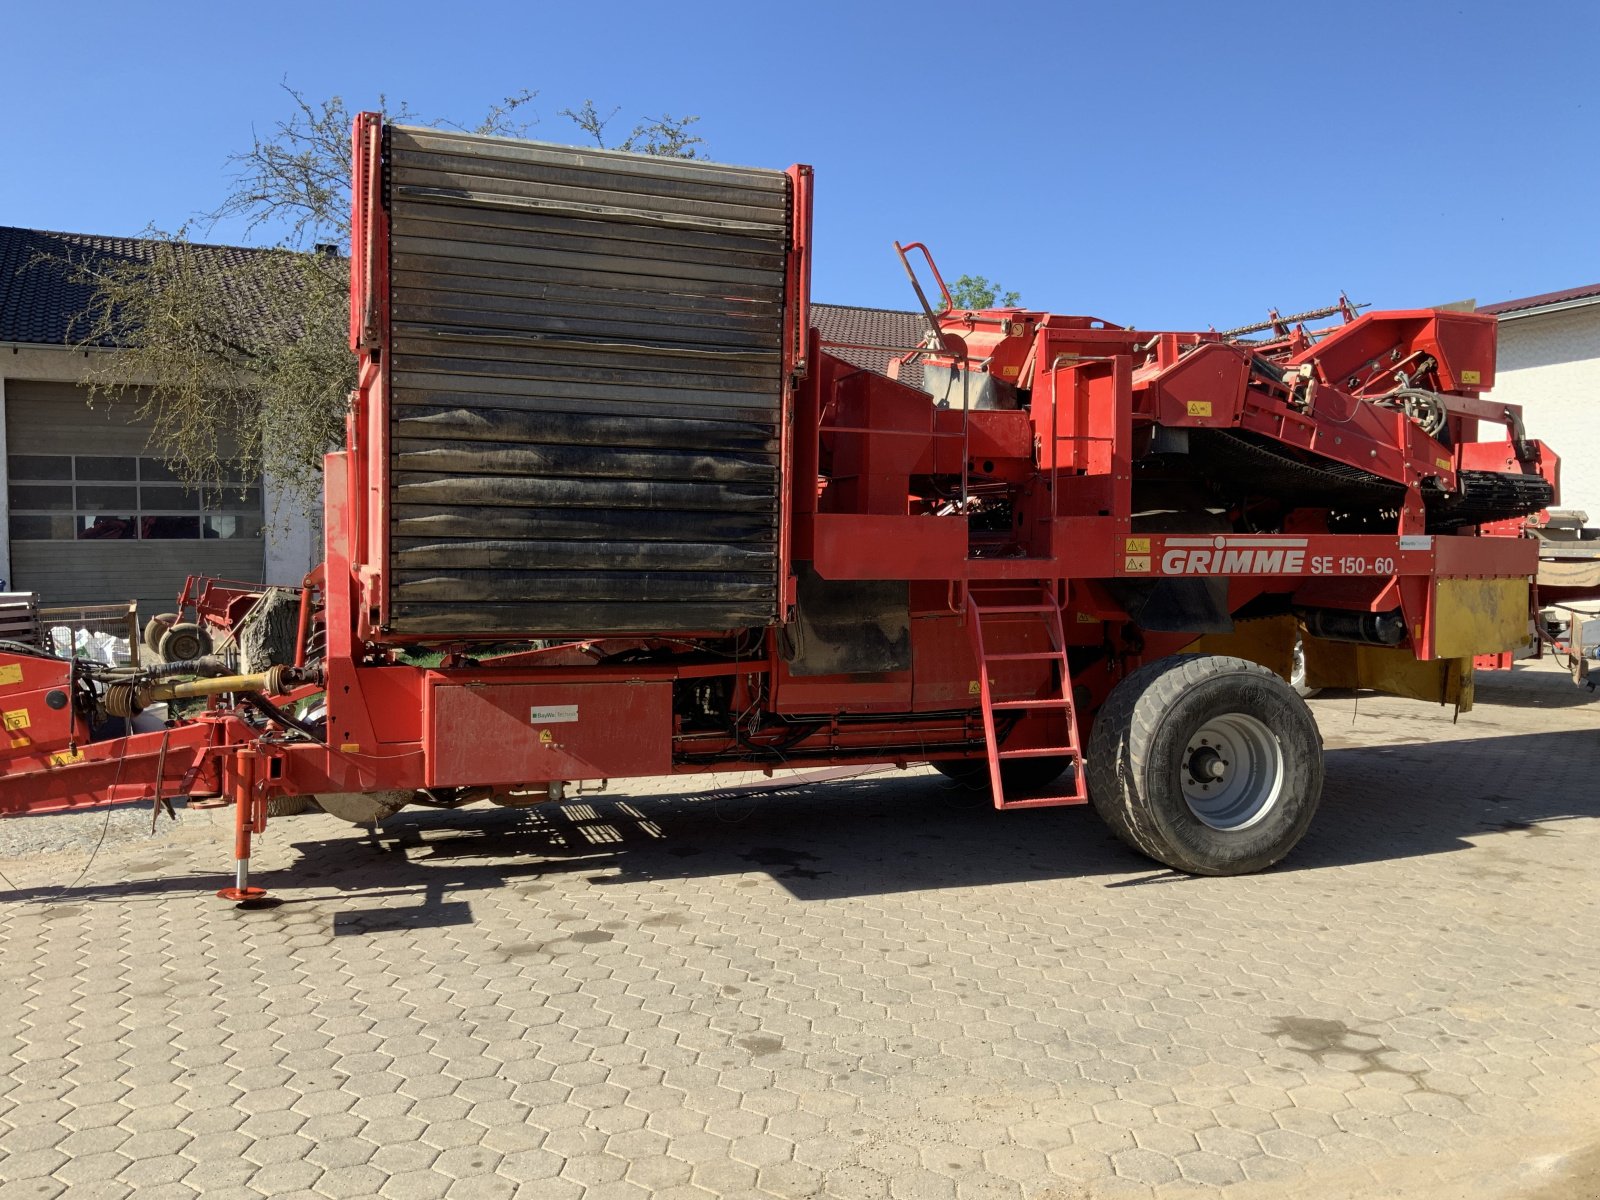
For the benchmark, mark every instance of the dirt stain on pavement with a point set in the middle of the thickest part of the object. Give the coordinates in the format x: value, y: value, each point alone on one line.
x: 1319, y: 1037
x: 524, y: 950
x: 671, y: 920
x: 760, y: 1044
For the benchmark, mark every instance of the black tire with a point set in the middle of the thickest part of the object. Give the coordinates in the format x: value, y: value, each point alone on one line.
x: 184, y: 641
x: 287, y: 806
x: 1019, y: 776
x: 155, y: 628
x: 1142, y: 756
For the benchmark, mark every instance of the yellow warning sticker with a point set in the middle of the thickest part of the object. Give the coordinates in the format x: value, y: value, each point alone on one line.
x: 546, y: 737
x: 1087, y: 619
x: 1009, y: 370
x: 350, y: 747
x: 1199, y: 408
x: 1444, y: 464
x: 16, y: 718
x: 1472, y: 377
x: 11, y: 673
x: 1136, y: 545
x: 20, y: 741
x: 1136, y: 563
x: 65, y: 758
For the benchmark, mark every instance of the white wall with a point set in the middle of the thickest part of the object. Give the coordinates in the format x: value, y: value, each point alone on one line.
x: 293, y: 535
x: 1550, y: 364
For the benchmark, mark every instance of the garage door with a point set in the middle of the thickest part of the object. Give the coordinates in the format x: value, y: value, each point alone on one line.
x: 96, y: 517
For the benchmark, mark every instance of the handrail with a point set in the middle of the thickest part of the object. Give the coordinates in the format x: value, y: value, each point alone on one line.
x: 955, y: 347
x: 938, y: 278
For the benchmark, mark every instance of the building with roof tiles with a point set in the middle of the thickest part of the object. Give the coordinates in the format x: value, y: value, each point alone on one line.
x: 1549, y: 362
x: 872, y: 337
x: 90, y: 513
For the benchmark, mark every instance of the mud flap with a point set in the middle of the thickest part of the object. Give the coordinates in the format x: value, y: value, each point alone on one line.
x: 848, y: 627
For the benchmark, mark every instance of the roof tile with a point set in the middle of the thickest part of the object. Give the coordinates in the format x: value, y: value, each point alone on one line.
x: 871, y: 327
x: 1543, y: 299
x: 42, y: 302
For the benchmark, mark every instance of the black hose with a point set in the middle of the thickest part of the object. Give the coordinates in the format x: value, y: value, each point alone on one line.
x: 273, y: 713
x: 210, y: 666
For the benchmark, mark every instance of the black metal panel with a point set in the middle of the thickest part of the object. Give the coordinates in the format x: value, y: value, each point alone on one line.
x: 586, y: 355
x: 631, y: 616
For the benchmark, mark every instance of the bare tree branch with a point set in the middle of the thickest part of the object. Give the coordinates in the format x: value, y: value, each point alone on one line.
x: 664, y: 136
x: 498, y: 120
x: 245, y: 368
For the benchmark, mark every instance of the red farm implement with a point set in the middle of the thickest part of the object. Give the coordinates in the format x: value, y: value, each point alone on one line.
x: 604, y: 476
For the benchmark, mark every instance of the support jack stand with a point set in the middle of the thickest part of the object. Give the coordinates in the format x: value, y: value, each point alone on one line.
x: 249, y: 817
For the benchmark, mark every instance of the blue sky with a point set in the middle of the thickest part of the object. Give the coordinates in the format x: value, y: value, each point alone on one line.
x: 1161, y: 165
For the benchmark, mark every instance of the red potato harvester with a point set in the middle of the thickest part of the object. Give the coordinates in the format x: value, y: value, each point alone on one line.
x: 602, y: 472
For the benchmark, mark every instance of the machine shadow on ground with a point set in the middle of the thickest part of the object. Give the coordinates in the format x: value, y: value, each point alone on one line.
x: 894, y: 832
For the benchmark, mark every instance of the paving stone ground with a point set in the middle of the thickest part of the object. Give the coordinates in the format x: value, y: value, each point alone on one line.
x: 861, y: 988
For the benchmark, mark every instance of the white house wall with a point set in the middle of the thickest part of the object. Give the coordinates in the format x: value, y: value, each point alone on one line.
x: 1550, y: 364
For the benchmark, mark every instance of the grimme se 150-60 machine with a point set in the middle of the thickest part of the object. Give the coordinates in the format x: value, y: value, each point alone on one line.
x: 602, y: 469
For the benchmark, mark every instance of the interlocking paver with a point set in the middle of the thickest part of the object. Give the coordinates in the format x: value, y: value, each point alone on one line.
x: 867, y: 988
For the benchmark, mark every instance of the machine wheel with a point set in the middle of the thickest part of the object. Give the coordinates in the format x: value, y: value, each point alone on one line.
x: 184, y: 641
x: 287, y: 806
x: 1297, y: 672
x: 1018, y: 775
x: 1211, y: 765
x: 155, y: 628
x: 364, y: 808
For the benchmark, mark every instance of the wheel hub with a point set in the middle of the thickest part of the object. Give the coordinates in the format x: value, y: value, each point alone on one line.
x: 1206, y: 765
x: 1232, y: 772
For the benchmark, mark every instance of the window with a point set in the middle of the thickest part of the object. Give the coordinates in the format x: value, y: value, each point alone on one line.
x: 84, y: 497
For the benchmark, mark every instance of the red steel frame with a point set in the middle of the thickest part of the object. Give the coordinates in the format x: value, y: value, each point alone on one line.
x: 1068, y: 462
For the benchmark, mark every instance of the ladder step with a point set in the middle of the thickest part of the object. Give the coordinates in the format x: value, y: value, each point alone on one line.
x: 1041, y: 752
x: 1058, y: 702
x: 1029, y: 656
x: 1003, y: 609
x: 1045, y: 801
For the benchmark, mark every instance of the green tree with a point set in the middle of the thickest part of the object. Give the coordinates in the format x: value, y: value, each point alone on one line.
x: 241, y: 362
x: 972, y: 292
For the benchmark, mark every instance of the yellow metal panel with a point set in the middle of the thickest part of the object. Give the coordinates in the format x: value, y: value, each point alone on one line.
x: 1479, y: 616
x: 1393, y: 671
x: 1265, y: 640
